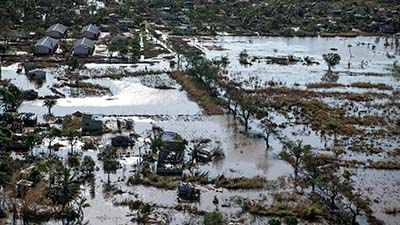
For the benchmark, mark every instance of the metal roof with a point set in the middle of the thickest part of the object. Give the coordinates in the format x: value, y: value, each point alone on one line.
x: 84, y: 42
x: 169, y: 136
x: 90, y: 28
x: 47, y: 42
x: 57, y: 27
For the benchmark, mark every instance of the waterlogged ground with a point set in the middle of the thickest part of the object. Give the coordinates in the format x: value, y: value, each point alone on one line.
x: 377, y: 61
x: 130, y: 96
x: 138, y: 98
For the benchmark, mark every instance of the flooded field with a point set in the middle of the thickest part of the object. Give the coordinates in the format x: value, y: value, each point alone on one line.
x: 375, y: 60
x: 157, y: 100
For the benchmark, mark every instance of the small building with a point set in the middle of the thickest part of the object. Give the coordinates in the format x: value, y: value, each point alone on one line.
x: 90, y: 124
x: 172, y: 141
x: 188, y: 192
x: 90, y: 31
x: 29, y: 119
x: 46, y: 46
x: 56, y: 31
x: 83, y: 47
x: 37, y: 75
x: 171, y: 156
x: 122, y: 141
x: 126, y: 24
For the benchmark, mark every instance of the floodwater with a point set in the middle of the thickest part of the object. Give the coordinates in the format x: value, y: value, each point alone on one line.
x: 130, y: 97
x: 174, y: 111
x: 376, y: 60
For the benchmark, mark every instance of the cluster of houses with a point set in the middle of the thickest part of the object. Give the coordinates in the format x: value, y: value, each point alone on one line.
x: 82, y: 47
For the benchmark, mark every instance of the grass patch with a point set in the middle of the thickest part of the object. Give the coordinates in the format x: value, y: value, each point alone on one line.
x: 212, y: 106
x: 392, y: 211
x: 324, y: 85
x: 240, y: 183
x: 169, y: 183
x: 384, y: 165
x: 72, y: 122
x: 379, y: 86
x: 152, y: 50
x: 128, y: 74
x: 395, y: 153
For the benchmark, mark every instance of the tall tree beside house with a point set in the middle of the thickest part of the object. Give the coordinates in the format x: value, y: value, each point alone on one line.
x: 331, y: 59
x: 49, y: 103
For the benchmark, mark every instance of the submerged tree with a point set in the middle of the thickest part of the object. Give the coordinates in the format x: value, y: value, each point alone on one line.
x: 31, y: 139
x: 247, y: 105
x: 72, y: 136
x: 52, y: 133
x: 110, y: 165
x: 88, y: 166
x: 49, y: 103
x: 269, y: 128
x: 294, y: 153
x: 331, y: 59
x: 65, y: 190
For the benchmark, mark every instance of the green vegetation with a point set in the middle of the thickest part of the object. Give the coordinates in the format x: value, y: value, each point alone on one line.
x: 213, y: 218
x: 154, y: 180
x: 49, y: 103
x: 210, y: 105
x: 331, y: 59
x: 240, y: 183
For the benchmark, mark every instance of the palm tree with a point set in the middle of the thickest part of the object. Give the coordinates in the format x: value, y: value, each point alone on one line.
x: 72, y: 135
x: 81, y: 203
x: 49, y: 103
x: 66, y: 189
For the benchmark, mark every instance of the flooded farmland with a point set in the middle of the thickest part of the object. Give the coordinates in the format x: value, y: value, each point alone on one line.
x: 156, y: 100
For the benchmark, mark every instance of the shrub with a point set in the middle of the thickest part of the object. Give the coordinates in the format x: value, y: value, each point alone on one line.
x: 290, y: 220
x: 274, y: 222
x: 213, y: 218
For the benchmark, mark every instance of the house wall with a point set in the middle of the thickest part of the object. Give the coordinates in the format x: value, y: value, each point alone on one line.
x: 42, y: 50
x: 89, y: 35
x: 82, y: 51
x: 54, y: 34
x: 89, y: 125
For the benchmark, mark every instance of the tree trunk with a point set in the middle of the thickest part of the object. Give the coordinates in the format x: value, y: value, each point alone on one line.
x: 49, y: 147
x: 266, y: 138
x: 333, y: 201
x: 108, y: 179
